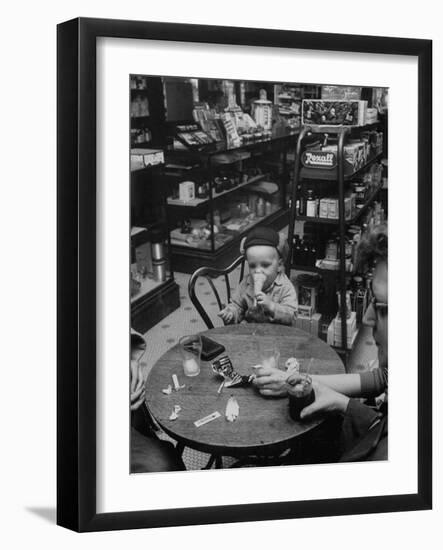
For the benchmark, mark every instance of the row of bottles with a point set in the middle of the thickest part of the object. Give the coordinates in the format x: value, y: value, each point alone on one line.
x: 314, y: 205
x: 304, y: 252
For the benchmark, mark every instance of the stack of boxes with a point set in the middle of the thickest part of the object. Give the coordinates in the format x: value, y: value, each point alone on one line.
x: 334, y: 337
x: 328, y: 207
x: 307, y: 317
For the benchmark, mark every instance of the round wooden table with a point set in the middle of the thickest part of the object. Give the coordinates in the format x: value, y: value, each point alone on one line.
x: 263, y: 426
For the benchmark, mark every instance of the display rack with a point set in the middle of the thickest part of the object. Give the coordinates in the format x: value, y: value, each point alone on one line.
x: 336, y: 174
x: 154, y: 292
x: 254, y: 171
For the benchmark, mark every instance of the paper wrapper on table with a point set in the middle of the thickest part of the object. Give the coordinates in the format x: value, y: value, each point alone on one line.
x: 224, y: 368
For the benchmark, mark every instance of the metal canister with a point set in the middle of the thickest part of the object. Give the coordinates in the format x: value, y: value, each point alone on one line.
x: 158, y: 252
x: 159, y: 270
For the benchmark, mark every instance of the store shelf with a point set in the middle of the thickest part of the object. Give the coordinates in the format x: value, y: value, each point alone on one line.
x: 140, y: 235
x: 205, y: 244
x: 332, y: 174
x: 335, y: 129
x: 147, y: 286
x: 189, y: 258
x: 311, y: 219
x: 135, y: 144
x: 314, y: 269
x: 198, y: 202
x: 367, y: 203
x: 350, y: 221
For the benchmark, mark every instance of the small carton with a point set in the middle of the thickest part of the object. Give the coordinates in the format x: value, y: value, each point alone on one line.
x: 324, y: 208
x: 186, y: 191
x: 306, y: 324
x: 333, y: 209
x: 315, y: 324
x: 142, y: 158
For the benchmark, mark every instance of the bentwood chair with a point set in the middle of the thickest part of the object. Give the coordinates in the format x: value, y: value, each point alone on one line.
x: 211, y: 274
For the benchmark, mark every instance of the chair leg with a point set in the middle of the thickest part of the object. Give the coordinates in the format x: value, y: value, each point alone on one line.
x: 218, y: 462
x: 180, y: 448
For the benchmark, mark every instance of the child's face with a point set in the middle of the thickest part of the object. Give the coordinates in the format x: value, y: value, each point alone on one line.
x: 264, y: 259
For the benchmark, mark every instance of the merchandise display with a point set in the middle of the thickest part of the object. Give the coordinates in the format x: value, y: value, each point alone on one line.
x: 223, y: 159
x: 142, y: 158
x: 334, y: 113
x: 335, y: 210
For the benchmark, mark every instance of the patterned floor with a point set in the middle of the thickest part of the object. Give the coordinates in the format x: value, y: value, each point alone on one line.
x: 186, y: 320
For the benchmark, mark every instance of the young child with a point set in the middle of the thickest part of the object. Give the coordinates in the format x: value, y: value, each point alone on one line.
x: 265, y: 294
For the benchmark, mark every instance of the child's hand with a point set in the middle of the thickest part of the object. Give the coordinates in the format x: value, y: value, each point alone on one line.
x: 226, y: 314
x: 265, y: 302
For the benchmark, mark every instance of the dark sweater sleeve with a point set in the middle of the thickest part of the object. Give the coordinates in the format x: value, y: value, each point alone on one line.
x: 374, y: 382
x: 361, y: 436
x: 360, y: 416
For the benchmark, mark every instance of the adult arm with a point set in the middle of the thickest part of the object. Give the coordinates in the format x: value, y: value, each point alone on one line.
x: 366, y: 384
x: 348, y: 384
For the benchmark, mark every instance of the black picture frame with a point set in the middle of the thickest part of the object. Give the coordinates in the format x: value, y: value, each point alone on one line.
x: 76, y: 296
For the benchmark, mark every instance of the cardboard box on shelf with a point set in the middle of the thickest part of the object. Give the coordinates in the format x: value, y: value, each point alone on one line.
x: 334, y: 337
x: 309, y: 324
x: 315, y: 324
x: 186, y: 191
x: 142, y: 158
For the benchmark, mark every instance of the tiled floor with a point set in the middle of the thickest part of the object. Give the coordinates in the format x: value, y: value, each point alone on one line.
x: 186, y: 320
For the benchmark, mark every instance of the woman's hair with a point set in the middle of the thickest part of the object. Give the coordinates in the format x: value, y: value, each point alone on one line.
x: 373, y: 248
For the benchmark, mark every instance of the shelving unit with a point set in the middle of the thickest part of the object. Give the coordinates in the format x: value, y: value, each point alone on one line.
x: 154, y: 293
x: 335, y: 173
x: 220, y: 246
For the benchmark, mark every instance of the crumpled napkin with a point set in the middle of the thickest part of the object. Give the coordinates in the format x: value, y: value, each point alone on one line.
x: 232, y: 409
x: 175, y: 411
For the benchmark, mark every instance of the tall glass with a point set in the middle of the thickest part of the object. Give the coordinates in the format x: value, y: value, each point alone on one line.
x: 269, y: 354
x: 190, y: 350
x: 300, y: 395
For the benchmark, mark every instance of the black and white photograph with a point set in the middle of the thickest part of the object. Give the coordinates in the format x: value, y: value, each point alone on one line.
x: 258, y: 273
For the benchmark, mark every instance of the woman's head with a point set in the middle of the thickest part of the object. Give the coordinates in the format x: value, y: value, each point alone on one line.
x: 372, y: 256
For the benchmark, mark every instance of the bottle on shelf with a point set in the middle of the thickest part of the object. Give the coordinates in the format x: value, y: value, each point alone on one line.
x: 306, y: 253
x: 359, y: 298
x: 296, y: 250
x: 217, y: 221
x: 311, y: 205
x: 260, y: 208
x: 298, y: 207
x: 313, y: 254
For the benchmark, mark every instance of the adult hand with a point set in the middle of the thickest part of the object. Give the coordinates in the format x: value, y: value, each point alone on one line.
x: 136, y: 375
x: 137, y: 385
x: 326, y: 400
x: 270, y: 382
x: 138, y: 395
